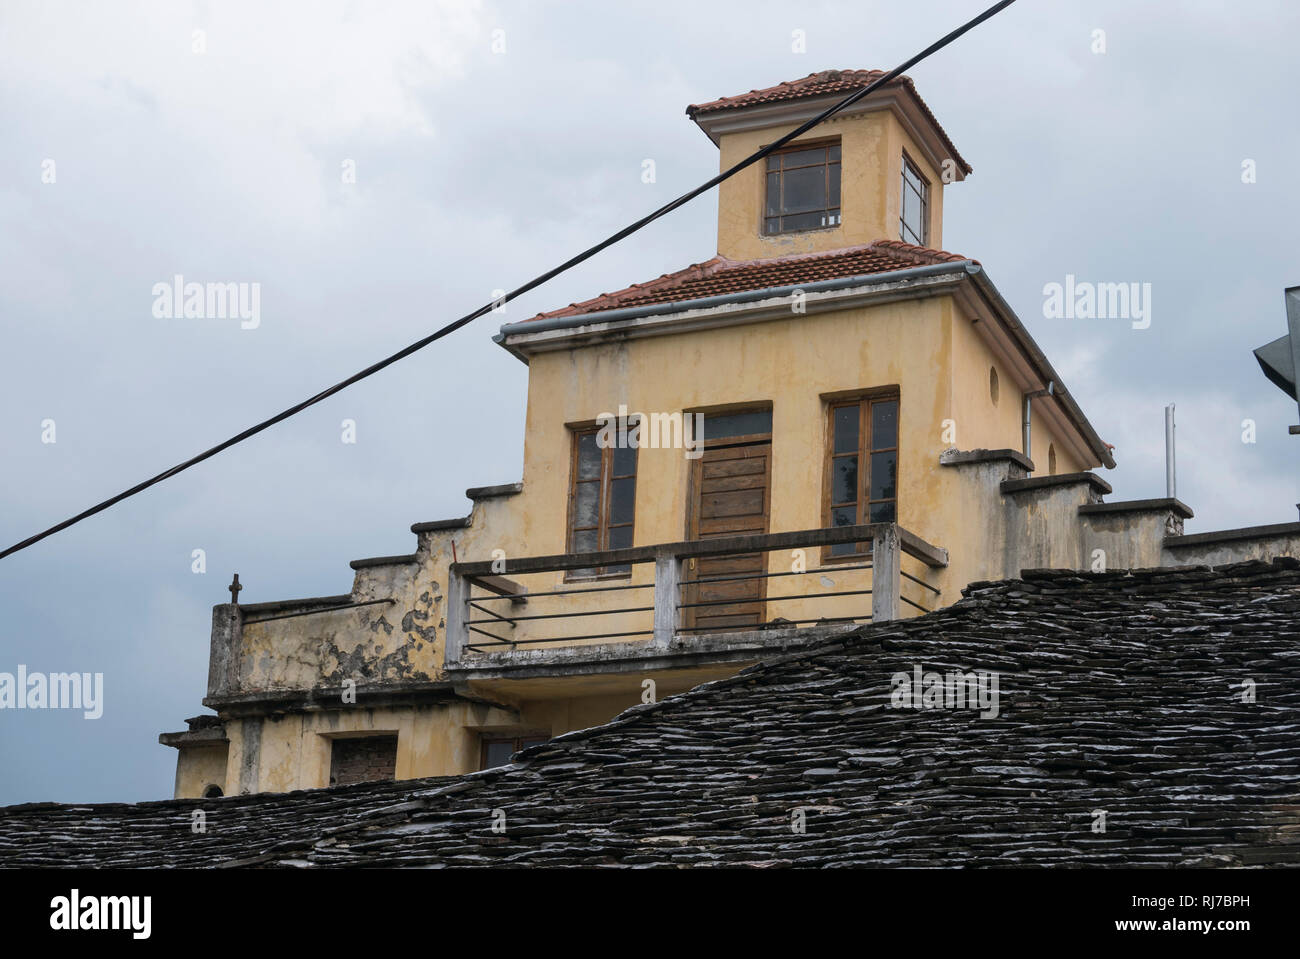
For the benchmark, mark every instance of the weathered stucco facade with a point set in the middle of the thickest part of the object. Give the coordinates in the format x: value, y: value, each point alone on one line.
x: 984, y: 496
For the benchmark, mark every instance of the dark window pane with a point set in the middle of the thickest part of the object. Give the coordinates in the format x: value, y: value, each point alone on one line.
x: 773, y: 225
x: 622, y: 500
x: 804, y: 190
x: 884, y: 470
x: 846, y: 429
x: 737, y: 424
x: 497, y: 754
x: 834, y: 177
x: 844, y: 479
x: 804, y: 157
x: 586, y: 504
x: 586, y: 541
x: 773, y: 194
x: 774, y: 161
x: 833, y: 154
x: 803, y: 221
x: 884, y: 512
x: 588, y: 457
x: 625, y: 461
x: 884, y: 425
x: 844, y: 516
x: 620, y: 537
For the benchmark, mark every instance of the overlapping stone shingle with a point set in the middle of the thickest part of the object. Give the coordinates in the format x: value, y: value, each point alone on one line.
x: 1119, y: 692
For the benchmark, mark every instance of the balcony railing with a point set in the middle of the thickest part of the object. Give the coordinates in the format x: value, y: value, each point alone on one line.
x: 660, y: 594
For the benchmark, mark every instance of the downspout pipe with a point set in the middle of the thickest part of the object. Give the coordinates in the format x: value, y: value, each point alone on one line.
x: 1027, y: 421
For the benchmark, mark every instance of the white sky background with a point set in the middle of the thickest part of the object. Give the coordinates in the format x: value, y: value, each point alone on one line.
x: 478, y: 170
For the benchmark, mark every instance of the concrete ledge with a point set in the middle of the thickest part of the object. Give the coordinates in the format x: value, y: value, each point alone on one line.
x: 1232, y: 535
x: 963, y: 457
x: 212, y: 736
x: 440, y: 524
x: 265, y: 702
x: 640, y: 654
x: 1139, y: 506
x: 491, y: 492
x: 1063, y: 479
x: 284, y: 605
x: 384, y: 561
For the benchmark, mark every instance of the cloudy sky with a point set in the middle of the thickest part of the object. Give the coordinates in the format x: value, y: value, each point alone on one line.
x: 477, y: 168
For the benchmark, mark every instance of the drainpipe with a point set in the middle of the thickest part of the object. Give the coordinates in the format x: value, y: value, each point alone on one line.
x: 1028, y: 418
x: 1171, y: 482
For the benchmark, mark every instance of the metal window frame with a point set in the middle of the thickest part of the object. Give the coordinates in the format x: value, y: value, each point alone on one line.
x: 923, y: 195
x: 826, y: 163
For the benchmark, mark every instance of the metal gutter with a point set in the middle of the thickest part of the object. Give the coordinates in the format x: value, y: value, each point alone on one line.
x: 1019, y: 334
x: 731, y: 299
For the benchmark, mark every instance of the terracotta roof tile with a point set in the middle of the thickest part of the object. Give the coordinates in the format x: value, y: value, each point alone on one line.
x: 823, y: 83
x: 721, y: 275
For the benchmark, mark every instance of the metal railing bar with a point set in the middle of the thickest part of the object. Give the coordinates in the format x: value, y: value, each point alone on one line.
x: 499, y: 639
x: 773, y: 599
x: 910, y: 603
x: 482, y: 609
x: 763, y: 627
x: 806, y: 572
x: 590, y: 612
x: 569, y: 592
x: 918, y: 582
x: 571, y: 639
x: 908, y: 543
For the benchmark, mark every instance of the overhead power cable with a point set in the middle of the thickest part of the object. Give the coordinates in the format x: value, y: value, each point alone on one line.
x: 520, y: 291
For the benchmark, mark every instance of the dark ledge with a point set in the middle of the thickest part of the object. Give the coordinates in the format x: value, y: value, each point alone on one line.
x: 490, y: 492
x: 283, y: 605
x: 1139, y: 506
x: 388, y: 693
x: 384, y: 561
x: 1229, y: 535
x: 440, y: 524
x: 1063, y: 479
x: 962, y: 457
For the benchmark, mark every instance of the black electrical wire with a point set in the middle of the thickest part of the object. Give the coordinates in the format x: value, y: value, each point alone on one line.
x: 530, y: 285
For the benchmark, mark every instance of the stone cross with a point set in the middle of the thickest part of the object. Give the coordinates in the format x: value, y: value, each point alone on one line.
x: 234, y: 588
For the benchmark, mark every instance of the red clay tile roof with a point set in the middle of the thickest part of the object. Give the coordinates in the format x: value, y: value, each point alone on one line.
x: 821, y: 84
x: 721, y: 275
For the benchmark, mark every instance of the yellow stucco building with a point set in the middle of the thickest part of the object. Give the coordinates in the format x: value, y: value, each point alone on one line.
x: 831, y: 421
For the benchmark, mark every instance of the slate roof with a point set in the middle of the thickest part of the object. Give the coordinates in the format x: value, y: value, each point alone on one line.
x: 823, y: 83
x: 1119, y: 691
x: 721, y: 275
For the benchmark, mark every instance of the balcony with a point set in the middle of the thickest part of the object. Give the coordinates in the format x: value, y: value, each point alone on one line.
x: 681, y: 605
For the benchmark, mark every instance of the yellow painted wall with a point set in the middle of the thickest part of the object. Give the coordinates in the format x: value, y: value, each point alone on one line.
x: 198, y: 767
x: 870, y: 189
x: 925, y: 348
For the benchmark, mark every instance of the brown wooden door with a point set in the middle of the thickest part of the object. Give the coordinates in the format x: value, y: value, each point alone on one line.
x: 732, y: 498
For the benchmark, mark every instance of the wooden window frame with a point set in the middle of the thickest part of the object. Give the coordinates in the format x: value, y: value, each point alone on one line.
x: 603, y: 502
x: 924, y: 196
x: 864, y: 400
x: 823, y: 143
x: 516, y: 739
